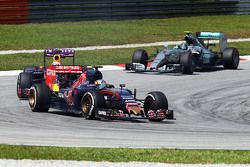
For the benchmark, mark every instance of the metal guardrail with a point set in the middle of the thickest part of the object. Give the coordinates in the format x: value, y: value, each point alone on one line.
x: 22, y: 11
x: 243, y: 7
x: 65, y: 10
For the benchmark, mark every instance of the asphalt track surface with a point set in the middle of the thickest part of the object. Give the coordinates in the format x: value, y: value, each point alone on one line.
x: 212, y: 110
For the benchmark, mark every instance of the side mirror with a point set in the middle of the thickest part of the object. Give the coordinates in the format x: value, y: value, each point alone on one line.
x: 97, y: 67
x: 122, y: 85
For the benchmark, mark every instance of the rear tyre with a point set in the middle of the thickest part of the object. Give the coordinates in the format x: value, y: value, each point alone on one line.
x: 39, y: 97
x: 140, y: 56
x: 24, y: 81
x: 29, y: 69
x: 155, y: 101
x: 91, y: 101
x: 186, y: 61
x: 231, y: 58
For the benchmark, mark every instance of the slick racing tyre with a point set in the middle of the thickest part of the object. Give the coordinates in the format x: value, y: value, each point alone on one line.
x: 39, y: 97
x: 231, y: 58
x: 29, y: 69
x: 24, y: 81
x: 91, y: 101
x: 186, y: 61
x: 140, y: 56
x: 155, y: 101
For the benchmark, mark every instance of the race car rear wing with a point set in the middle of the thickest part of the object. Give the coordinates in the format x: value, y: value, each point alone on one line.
x: 209, y: 35
x: 68, y: 69
x: 214, y: 36
x: 62, y: 52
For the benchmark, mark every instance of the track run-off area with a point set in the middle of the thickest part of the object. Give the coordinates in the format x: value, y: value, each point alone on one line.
x: 212, y: 110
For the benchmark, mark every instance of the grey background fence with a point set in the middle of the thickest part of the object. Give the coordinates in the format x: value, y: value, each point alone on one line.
x: 243, y: 7
x: 71, y: 10
x: 23, y: 11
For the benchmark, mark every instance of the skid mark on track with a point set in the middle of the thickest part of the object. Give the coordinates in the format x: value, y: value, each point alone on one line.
x: 230, y: 103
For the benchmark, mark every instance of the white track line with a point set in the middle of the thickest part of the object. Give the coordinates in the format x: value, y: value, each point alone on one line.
x: 64, y: 163
x: 117, y: 46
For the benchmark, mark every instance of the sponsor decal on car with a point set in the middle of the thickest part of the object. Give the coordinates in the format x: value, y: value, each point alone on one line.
x: 100, y: 112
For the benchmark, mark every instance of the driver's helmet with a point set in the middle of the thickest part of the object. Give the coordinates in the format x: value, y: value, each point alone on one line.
x: 190, y: 40
x: 56, y: 60
x: 183, y: 46
x: 100, y: 84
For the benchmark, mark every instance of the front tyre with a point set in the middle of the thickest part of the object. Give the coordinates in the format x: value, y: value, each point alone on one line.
x: 155, y: 101
x: 30, y: 69
x: 140, y: 56
x: 91, y: 101
x: 39, y: 97
x: 231, y: 58
x: 186, y: 61
x: 24, y: 81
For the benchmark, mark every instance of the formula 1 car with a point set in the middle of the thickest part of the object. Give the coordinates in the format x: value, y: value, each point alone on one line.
x: 81, y: 89
x: 32, y: 73
x: 192, y: 54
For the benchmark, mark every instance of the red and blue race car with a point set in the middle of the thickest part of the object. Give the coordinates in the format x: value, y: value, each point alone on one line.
x: 81, y: 89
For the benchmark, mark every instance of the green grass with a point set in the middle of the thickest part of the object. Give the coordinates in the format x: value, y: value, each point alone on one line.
x: 86, y: 33
x: 125, y: 154
x: 96, y: 57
